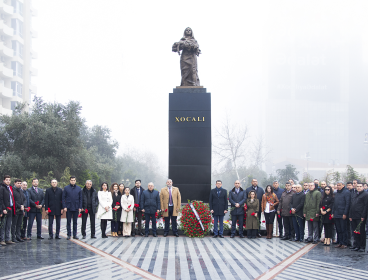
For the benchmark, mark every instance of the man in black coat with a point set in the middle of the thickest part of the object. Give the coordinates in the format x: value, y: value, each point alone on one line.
x: 89, y: 207
x: 36, y: 200
x: 136, y: 193
x: 278, y: 191
x: 237, y: 200
x: 218, y: 207
x: 260, y: 192
x: 358, y: 216
x: 8, y: 206
x: 53, y: 207
x: 296, y: 206
x: 23, y: 230
x: 17, y: 219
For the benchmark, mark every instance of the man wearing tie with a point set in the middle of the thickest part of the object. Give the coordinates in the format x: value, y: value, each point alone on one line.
x: 170, y: 199
x: 36, y: 200
x: 136, y: 193
x: 54, y: 208
x: 218, y: 206
x: 8, y: 206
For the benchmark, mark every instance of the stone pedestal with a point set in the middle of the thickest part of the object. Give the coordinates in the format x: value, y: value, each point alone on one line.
x: 190, y: 142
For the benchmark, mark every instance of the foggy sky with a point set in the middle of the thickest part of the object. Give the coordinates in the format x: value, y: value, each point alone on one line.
x: 115, y: 56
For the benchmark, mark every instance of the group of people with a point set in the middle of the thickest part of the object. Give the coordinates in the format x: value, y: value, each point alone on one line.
x: 341, y: 212
x: 20, y: 205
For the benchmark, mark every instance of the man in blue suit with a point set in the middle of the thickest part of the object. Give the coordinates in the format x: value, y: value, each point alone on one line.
x: 218, y: 207
x: 72, y: 203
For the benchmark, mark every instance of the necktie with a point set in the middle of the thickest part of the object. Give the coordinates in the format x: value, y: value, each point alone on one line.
x: 170, y: 197
x: 36, y: 189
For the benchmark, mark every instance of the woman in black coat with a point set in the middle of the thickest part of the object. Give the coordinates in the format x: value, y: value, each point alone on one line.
x: 326, y: 206
x: 116, y: 207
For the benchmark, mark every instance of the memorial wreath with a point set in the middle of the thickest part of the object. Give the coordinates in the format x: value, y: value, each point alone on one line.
x: 196, y: 220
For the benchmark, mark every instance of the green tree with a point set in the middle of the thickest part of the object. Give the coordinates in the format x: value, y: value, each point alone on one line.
x: 289, y: 172
x: 269, y: 180
x: 336, y: 176
x: 351, y: 174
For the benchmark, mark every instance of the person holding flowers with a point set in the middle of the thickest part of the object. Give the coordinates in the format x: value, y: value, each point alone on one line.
x: 36, y: 200
x: 269, y: 202
x: 284, y: 211
x: 326, y: 206
x: 358, y: 216
x: 19, y: 200
x: 252, y: 225
x: 54, y: 207
x: 311, y: 213
x: 127, y: 205
x: 116, y: 209
x: 8, y: 210
x: 104, y: 212
x: 170, y: 199
x: 23, y: 229
x: 150, y: 204
x: 89, y: 207
x: 237, y: 199
x: 297, y: 206
x: 136, y: 192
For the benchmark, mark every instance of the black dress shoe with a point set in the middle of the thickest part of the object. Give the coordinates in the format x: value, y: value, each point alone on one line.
x: 215, y: 236
x: 232, y: 236
x: 83, y: 237
x: 20, y: 240
x: 154, y: 235
x: 104, y: 236
x: 352, y: 247
x: 93, y: 237
x: 285, y: 238
x: 57, y: 237
x: 133, y: 234
x: 361, y: 250
x: 165, y: 234
x: 68, y: 238
x: 315, y: 242
x: 221, y: 236
x: 15, y: 241
x: 40, y: 237
x: 356, y: 249
x: 146, y: 235
x: 259, y: 235
x: 292, y: 239
x: 75, y: 237
x: 281, y: 236
x: 141, y: 234
x: 50, y: 237
x: 176, y: 234
x: 241, y: 236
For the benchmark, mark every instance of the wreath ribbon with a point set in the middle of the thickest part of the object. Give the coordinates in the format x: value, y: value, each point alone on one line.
x: 197, y: 216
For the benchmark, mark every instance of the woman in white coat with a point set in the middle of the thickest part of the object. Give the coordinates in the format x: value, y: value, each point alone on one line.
x: 104, y: 212
x: 127, y: 204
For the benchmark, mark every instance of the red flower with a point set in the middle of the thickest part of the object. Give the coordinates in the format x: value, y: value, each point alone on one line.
x: 136, y: 205
x: 357, y: 232
x: 279, y: 216
x: 290, y: 211
x: 118, y: 203
x: 311, y: 220
x: 28, y: 208
x: 128, y: 206
x: 8, y: 208
x: 86, y: 211
x: 165, y: 210
x: 80, y: 215
x: 253, y: 214
x: 37, y: 202
x: 263, y: 221
x: 323, y: 207
x: 330, y: 218
x: 49, y: 210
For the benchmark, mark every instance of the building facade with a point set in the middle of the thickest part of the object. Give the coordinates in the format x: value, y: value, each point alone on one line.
x: 16, y: 54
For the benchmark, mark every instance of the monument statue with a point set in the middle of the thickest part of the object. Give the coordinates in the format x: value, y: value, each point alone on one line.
x: 188, y: 60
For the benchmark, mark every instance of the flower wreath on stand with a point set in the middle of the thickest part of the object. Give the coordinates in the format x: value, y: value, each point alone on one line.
x: 189, y: 222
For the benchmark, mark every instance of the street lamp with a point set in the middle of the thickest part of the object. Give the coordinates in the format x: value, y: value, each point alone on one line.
x: 307, y: 157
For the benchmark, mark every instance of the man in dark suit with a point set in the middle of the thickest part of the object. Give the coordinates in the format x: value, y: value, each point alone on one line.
x: 36, y: 200
x: 23, y: 229
x: 260, y: 192
x: 90, y: 203
x: 237, y: 200
x: 218, y: 207
x: 136, y: 193
x: 72, y: 203
x: 19, y: 200
x: 53, y: 207
x: 8, y: 206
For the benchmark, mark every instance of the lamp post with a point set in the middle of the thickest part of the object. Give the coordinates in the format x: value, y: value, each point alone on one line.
x: 307, y: 157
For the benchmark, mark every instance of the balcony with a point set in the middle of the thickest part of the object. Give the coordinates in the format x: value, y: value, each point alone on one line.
x: 33, y: 88
x: 34, y: 71
x: 5, y: 71
x: 34, y: 54
x: 34, y: 33
x: 6, y: 30
x: 5, y: 92
x: 4, y: 50
x: 7, y: 9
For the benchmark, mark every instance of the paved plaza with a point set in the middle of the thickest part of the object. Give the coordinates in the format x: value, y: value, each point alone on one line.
x: 177, y: 258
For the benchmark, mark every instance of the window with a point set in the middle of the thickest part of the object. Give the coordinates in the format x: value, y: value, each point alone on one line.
x: 17, y: 69
x: 17, y: 48
x: 17, y: 89
x: 18, y: 7
x: 17, y: 25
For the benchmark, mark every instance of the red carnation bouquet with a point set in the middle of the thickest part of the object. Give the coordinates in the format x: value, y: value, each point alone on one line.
x: 357, y: 230
x: 48, y: 210
x: 127, y: 213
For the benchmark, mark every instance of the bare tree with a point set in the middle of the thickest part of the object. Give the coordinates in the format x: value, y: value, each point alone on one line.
x: 231, y: 146
x: 259, y: 152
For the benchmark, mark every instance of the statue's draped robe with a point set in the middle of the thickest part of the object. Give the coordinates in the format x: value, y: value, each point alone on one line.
x: 188, y: 61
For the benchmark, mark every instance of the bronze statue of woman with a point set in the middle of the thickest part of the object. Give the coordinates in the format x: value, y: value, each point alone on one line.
x: 188, y: 60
